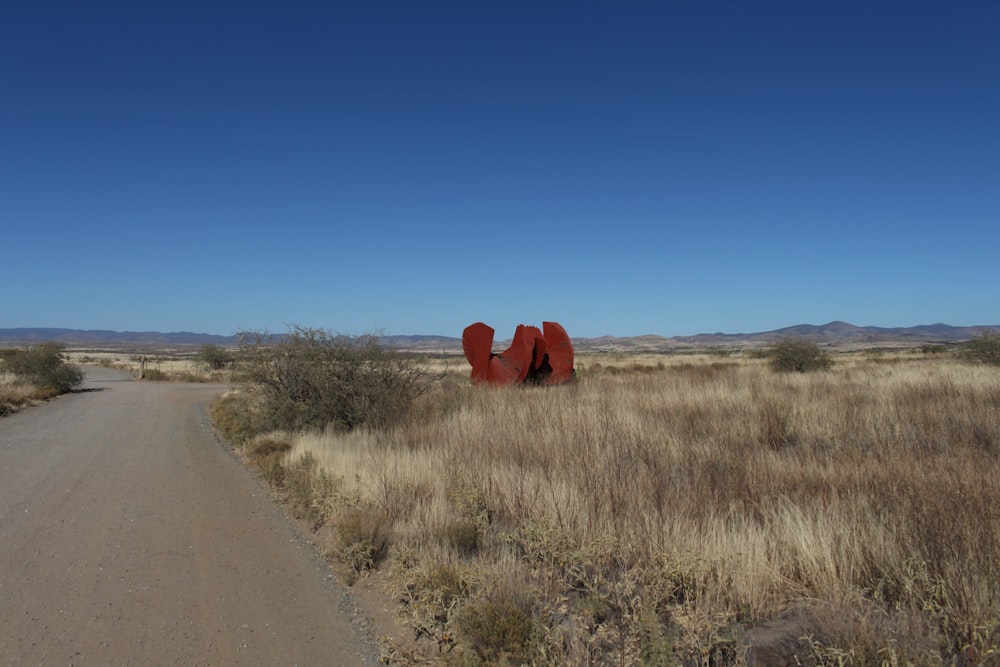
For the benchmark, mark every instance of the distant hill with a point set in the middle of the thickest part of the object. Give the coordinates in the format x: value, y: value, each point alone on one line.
x: 426, y: 344
x: 833, y: 333
x: 99, y: 337
x: 842, y: 333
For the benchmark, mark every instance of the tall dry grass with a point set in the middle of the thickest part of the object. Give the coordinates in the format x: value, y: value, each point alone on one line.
x: 15, y: 393
x: 653, y: 511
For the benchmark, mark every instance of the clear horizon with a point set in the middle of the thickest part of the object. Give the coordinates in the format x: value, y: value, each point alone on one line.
x: 668, y: 169
x: 500, y: 336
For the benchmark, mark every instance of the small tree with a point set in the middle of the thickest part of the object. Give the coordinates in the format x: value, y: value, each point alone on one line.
x: 798, y: 355
x: 215, y: 356
x: 45, y: 366
x: 983, y: 349
x: 310, y: 378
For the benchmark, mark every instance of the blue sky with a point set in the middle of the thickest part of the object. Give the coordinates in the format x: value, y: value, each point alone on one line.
x: 412, y: 167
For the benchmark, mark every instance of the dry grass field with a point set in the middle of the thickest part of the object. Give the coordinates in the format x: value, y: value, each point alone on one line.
x: 661, y: 507
x: 169, y: 364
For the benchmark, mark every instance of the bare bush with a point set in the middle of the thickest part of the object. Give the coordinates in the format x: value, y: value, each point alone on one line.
x: 312, y: 379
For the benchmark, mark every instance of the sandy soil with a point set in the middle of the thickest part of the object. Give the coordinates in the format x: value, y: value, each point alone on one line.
x: 130, y: 536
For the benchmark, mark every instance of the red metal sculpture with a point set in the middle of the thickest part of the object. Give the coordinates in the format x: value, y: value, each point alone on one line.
x: 533, y: 356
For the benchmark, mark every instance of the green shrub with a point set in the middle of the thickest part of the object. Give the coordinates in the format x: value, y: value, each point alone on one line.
x: 798, y: 355
x: 44, y: 365
x: 983, y: 349
x: 311, y: 379
x: 215, y: 356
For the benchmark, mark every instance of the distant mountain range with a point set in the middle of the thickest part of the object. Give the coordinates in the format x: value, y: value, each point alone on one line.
x: 833, y: 334
x: 100, y: 337
x: 842, y: 333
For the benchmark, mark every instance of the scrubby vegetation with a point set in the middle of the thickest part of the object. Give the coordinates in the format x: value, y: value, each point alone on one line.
x: 35, y: 373
x: 45, y: 366
x: 654, y: 513
x: 15, y: 394
x: 312, y: 379
x: 210, y: 363
x: 798, y: 355
x: 215, y: 357
x: 983, y: 349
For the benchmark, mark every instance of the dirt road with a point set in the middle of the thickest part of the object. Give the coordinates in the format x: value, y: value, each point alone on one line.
x: 129, y: 536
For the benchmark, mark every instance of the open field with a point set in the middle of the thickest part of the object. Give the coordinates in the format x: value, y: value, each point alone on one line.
x: 179, y: 363
x: 664, y: 506
x: 691, y: 508
x: 161, y: 363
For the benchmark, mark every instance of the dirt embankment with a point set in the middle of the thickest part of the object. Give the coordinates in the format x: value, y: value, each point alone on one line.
x: 128, y: 535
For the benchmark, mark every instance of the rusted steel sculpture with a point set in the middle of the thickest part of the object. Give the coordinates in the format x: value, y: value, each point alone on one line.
x: 533, y: 356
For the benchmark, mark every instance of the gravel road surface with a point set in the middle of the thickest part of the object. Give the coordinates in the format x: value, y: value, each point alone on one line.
x: 130, y: 536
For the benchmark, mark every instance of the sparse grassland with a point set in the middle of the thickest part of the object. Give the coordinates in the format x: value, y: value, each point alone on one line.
x: 182, y: 364
x: 659, y: 507
x: 54, y: 369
